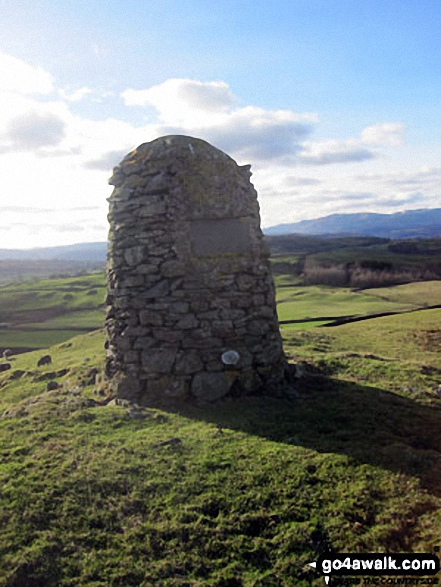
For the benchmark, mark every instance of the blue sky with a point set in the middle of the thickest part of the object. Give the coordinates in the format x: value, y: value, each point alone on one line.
x: 335, y: 103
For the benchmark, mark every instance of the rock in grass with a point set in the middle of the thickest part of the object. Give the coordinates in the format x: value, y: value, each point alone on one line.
x: 169, y: 442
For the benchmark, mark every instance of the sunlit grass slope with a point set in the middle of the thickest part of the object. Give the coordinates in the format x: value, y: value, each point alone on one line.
x: 313, y: 302
x: 400, y: 353
x: 298, y: 303
x: 40, y: 313
x: 418, y: 294
x: 242, y: 493
x: 37, y: 314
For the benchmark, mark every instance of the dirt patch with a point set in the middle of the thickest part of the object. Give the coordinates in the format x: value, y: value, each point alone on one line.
x: 428, y: 340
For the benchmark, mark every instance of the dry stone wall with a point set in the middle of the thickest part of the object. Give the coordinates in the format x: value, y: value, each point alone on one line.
x: 191, y: 308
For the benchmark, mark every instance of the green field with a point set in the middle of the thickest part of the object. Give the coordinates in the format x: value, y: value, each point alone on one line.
x: 37, y: 314
x: 426, y: 293
x: 411, y: 337
x: 310, y: 302
x: 41, y: 313
x: 240, y: 493
x: 399, y: 353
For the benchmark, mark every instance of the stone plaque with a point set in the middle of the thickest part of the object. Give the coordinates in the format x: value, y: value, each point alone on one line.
x: 216, y: 237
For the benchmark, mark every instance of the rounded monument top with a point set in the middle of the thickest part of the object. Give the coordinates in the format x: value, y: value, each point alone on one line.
x: 177, y: 142
x: 179, y: 146
x: 175, y: 152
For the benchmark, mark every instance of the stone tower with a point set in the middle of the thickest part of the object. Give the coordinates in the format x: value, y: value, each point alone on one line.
x: 190, y: 308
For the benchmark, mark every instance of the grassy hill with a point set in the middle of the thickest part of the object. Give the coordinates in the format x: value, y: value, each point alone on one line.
x: 241, y: 493
x: 306, y: 307
x: 37, y: 314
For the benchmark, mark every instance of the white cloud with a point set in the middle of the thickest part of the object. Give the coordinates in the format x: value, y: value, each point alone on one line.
x: 178, y: 101
x: 425, y: 176
x: 43, y: 194
x: 209, y: 110
x: 34, y: 130
x: 354, y: 149
x: 75, y: 96
x: 18, y: 76
x: 55, y: 162
x: 390, y: 133
x: 107, y: 161
x: 253, y: 133
x: 44, y: 128
x: 404, y: 188
x: 329, y: 152
x: 105, y: 142
x: 301, y: 181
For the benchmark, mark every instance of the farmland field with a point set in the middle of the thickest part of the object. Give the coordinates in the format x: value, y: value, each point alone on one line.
x: 37, y: 314
x: 40, y: 313
x: 302, y: 303
x: 309, y: 302
x: 426, y: 293
x: 242, y: 493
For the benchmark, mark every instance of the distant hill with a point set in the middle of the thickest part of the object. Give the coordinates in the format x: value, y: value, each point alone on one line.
x: 18, y: 265
x: 82, y: 252
x: 423, y: 223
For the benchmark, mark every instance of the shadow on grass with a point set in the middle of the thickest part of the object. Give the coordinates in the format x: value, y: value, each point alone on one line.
x: 370, y: 425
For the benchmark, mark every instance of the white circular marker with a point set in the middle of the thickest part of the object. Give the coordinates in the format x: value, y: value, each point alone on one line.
x: 230, y: 357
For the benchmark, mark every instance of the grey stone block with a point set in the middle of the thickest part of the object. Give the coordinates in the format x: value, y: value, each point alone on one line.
x: 188, y: 362
x: 210, y: 386
x: 158, y: 360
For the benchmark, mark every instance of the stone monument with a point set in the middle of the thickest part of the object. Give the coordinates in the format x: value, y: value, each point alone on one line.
x: 190, y: 306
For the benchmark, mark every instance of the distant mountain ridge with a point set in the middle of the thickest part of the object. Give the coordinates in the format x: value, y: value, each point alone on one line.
x: 81, y: 252
x: 421, y: 223
x: 17, y: 265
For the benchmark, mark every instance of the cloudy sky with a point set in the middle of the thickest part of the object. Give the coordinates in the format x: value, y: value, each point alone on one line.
x: 335, y: 103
